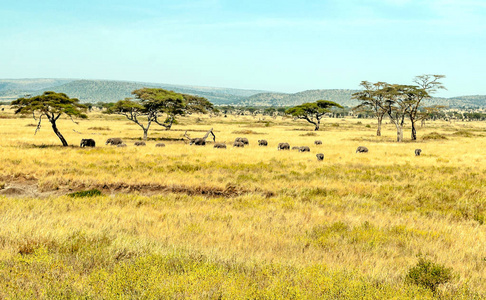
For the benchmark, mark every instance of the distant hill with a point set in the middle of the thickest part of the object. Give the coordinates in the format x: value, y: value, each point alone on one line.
x: 30, y: 84
x: 342, y: 97
x: 11, y: 89
x: 111, y: 91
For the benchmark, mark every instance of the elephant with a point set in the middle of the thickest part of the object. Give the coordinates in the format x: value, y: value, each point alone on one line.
x: 295, y: 148
x: 320, y: 156
x: 160, y: 145
x: 318, y: 142
x: 304, y: 149
x: 220, y: 145
x: 87, y: 143
x: 262, y: 143
x: 140, y: 143
x: 243, y: 140
x: 283, y: 146
x: 114, y: 141
x: 238, y: 144
x: 418, y: 152
x: 361, y: 149
x: 121, y: 145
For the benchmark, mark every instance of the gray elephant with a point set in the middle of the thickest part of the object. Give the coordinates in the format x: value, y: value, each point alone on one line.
x: 220, y: 146
x: 263, y: 143
x: 283, y: 146
x: 87, y: 143
x: 243, y: 140
x: 361, y: 149
x: 114, y: 141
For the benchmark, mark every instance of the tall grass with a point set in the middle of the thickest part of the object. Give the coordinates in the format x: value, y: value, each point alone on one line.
x: 198, y: 222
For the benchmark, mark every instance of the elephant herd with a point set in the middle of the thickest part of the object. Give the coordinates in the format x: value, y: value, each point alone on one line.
x: 239, y: 143
x: 118, y: 142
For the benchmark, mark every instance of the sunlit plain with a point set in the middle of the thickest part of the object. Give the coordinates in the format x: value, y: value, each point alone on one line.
x: 254, y: 222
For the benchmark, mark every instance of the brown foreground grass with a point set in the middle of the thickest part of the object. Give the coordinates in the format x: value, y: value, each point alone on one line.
x: 197, y: 222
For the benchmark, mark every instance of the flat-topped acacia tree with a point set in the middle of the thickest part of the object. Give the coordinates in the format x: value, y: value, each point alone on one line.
x: 154, y: 105
x: 51, y: 105
x: 312, y: 112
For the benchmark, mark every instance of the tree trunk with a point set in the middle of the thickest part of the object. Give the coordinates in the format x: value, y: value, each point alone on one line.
x: 378, y: 130
x: 145, y: 130
x: 399, y: 133
x: 414, y: 131
x: 59, y: 135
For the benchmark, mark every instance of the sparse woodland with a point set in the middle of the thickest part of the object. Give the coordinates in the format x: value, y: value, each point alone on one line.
x: 196, y: 222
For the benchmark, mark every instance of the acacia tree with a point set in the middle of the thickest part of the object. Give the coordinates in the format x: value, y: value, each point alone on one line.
x: 399, y: 100
x: 197, y: 104
x: 370, y: 97
x: 153, y: 105
x: 312, y: 112
x: 51, y: 105
x: 427, y: 84
x: 134, y: 112
x: 160, y: 102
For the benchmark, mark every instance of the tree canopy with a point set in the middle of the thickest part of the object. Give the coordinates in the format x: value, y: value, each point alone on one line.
x: 370, y: 98
x: 312, y: 112
x: 51, y: 105
x: 398, y: 101
x: 154, y: 105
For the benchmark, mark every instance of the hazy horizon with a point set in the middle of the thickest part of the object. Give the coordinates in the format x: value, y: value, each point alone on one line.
x: 284, y: 46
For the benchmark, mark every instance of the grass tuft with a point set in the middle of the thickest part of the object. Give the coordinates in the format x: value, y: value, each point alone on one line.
x: 88, y: 193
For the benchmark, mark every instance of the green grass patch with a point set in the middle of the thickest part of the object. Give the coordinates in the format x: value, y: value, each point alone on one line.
x: 88, y: 193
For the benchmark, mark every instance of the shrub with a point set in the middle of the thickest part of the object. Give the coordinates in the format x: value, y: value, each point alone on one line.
x: 308, y: 134
x: 99, y: 128
x: 428, y: 274
x: 88, y: 193
x: 245, y: 131
x: 434, y: 136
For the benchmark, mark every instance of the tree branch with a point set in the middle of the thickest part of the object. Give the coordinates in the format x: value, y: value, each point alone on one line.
x: 38, y: 125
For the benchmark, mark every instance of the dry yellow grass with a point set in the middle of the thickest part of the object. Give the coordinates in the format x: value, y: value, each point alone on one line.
x: 369, y: 214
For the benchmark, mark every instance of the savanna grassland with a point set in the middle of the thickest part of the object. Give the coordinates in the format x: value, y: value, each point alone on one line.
x: 240, y: 223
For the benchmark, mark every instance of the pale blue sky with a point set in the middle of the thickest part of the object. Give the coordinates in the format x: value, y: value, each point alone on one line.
x: 286, y: 46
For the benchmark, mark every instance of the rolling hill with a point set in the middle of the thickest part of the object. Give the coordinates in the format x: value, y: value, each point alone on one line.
x: 342, y: 97
x: 111, y: 91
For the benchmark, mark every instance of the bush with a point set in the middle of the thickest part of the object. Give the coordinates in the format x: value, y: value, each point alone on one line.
x: 88, y: 193
x: 245, y: 131
x: 428, y: 274
x: 308, y: 134
x: 434, y: 136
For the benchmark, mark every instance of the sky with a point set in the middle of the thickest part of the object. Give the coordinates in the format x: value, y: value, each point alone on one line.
x: 283, y: 46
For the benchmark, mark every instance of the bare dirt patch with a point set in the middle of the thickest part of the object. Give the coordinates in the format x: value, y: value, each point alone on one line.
x: 30, y: 189
x: 26, y: 188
